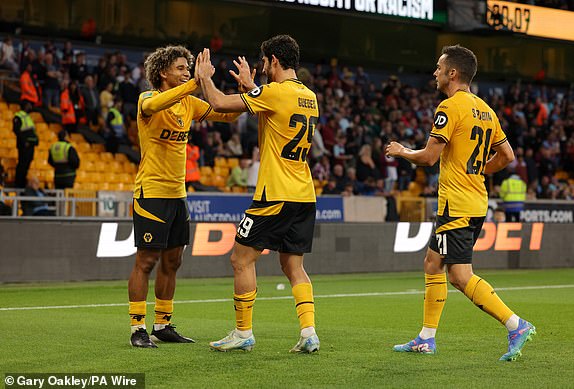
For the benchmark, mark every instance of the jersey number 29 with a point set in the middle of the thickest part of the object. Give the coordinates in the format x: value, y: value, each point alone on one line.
x: 292, y: 150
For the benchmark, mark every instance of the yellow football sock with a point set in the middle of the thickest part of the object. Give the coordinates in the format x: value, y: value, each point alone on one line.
x: 436, y: 292
x: 243, y: 304
x: 483, y: 296
x: 137, y: 312
x: 304, y: 304
x: 163, y: 311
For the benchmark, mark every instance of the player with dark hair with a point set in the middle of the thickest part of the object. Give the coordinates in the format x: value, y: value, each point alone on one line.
x: 160, y: 213
x: 282, y: 215
x: 465, y: 131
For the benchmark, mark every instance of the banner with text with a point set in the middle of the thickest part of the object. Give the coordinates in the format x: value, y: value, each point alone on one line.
x: 230, y: 208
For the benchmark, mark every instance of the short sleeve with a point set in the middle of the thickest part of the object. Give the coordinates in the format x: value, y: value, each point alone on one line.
x: 261, y: 98
x: 445, y: 119
x: 499, y: 137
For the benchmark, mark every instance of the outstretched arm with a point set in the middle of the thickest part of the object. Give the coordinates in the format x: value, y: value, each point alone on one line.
x: 168, y: 98
x: 217, y: 99
x: 424, y: 157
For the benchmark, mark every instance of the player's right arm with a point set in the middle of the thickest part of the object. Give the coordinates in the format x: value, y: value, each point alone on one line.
x: 153, y: 103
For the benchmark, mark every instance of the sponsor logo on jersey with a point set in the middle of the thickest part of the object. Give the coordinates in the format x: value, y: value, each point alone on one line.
x: 179, y: 121
x: 440, y: 120
x: 173, y: 135
x: 255, y: 92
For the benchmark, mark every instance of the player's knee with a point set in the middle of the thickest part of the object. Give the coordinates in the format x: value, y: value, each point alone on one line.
x: 457, y: 282
x: 239, y: 262
x: 146, y: 264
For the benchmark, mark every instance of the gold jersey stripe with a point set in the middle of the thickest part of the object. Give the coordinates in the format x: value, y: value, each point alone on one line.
x: 460, y: 222
x: 267, y: 211
x: 143, y: 213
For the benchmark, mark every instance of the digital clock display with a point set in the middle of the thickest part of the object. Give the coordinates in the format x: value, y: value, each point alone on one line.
x: 530, y: 20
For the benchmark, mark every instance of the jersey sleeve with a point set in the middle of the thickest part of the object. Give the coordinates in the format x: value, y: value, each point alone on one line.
x: 261, y: 99
x: 499, y: 137
x: 143, y: 96
x: 445, y: 120
x: 203, y: 111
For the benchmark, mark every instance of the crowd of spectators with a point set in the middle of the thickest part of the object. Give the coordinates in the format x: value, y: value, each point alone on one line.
x: 358, y: 117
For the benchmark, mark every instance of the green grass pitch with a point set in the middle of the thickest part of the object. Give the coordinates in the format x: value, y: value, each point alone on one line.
x: 359, y: 318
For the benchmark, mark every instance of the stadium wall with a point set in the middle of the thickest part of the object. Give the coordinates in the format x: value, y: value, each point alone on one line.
x: 49, y: 250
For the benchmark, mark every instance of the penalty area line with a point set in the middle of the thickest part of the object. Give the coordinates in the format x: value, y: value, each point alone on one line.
x: 338, y: 295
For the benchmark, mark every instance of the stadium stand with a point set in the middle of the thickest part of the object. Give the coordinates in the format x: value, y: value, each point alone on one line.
x: 361, y: 107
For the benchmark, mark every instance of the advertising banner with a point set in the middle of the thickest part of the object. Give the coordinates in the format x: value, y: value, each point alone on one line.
x: 230, y: 208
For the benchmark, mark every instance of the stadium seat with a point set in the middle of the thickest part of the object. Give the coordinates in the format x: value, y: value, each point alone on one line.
x: 98, y: 148
x: 206, y: 171
x: 37, y: 118
x: 221, y: 171
x: 121, y: 157
x: 77, y: 138
x: 81, y: 208
x: 232, y: 162
x: 108, y: 157
x: 220, y: 162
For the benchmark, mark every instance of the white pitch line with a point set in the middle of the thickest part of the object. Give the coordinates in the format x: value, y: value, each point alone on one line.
x: 373, y: 294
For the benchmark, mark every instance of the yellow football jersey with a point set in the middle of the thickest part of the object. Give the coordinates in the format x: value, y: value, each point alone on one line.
x: 163, y: 137
x: 470, y: 128
x: 288, y: 114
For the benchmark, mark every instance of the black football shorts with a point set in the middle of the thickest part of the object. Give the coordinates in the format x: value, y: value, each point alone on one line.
x: 454, y: 237
x: 282, y: 226
x: 161, y: 223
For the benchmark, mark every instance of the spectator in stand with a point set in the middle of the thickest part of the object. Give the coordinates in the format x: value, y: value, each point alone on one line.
x: 92, y: 101
x: 330, y: 187
x: 253, y: 172
x: 65, y: 160
x: 322, y: 169
x: 366, y: 167
x: 67, y: 109
x: 78, y: 102
x: 35, y: 207
x: 239, y: 174
x: 233, y: 146
x: 29, y: 91
x: 26, y: 142
x: 51, y: 89
x: 340, y: 155
x: 353, y: 183
x: 192, y: 172
x: 79, y: 69
x: 129, y: 93
x: 340, y: 177
x: 115, y: 132
x: 8, y: 55
x: 106, y: 99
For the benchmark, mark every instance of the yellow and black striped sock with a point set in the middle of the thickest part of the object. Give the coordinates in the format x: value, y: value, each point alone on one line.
x: 243, y: 304
x: 137, y: 313
x: 436, y: 291
x: 483, y: 296
x: 304, y: 304
x: 163, y: 311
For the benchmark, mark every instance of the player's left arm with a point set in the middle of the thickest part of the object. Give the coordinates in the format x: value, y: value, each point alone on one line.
x: 424, y: 157
x: 503, y: 155
x: 217, y: 99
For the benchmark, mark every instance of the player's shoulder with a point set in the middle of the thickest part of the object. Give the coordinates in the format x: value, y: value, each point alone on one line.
x: 148, y: 93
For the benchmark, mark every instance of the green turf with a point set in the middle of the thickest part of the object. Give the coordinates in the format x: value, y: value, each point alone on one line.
x: 357, y: 334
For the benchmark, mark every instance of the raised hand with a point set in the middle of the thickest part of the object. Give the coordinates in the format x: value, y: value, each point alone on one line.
x: 203, y: 67
x: 244, y: 75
